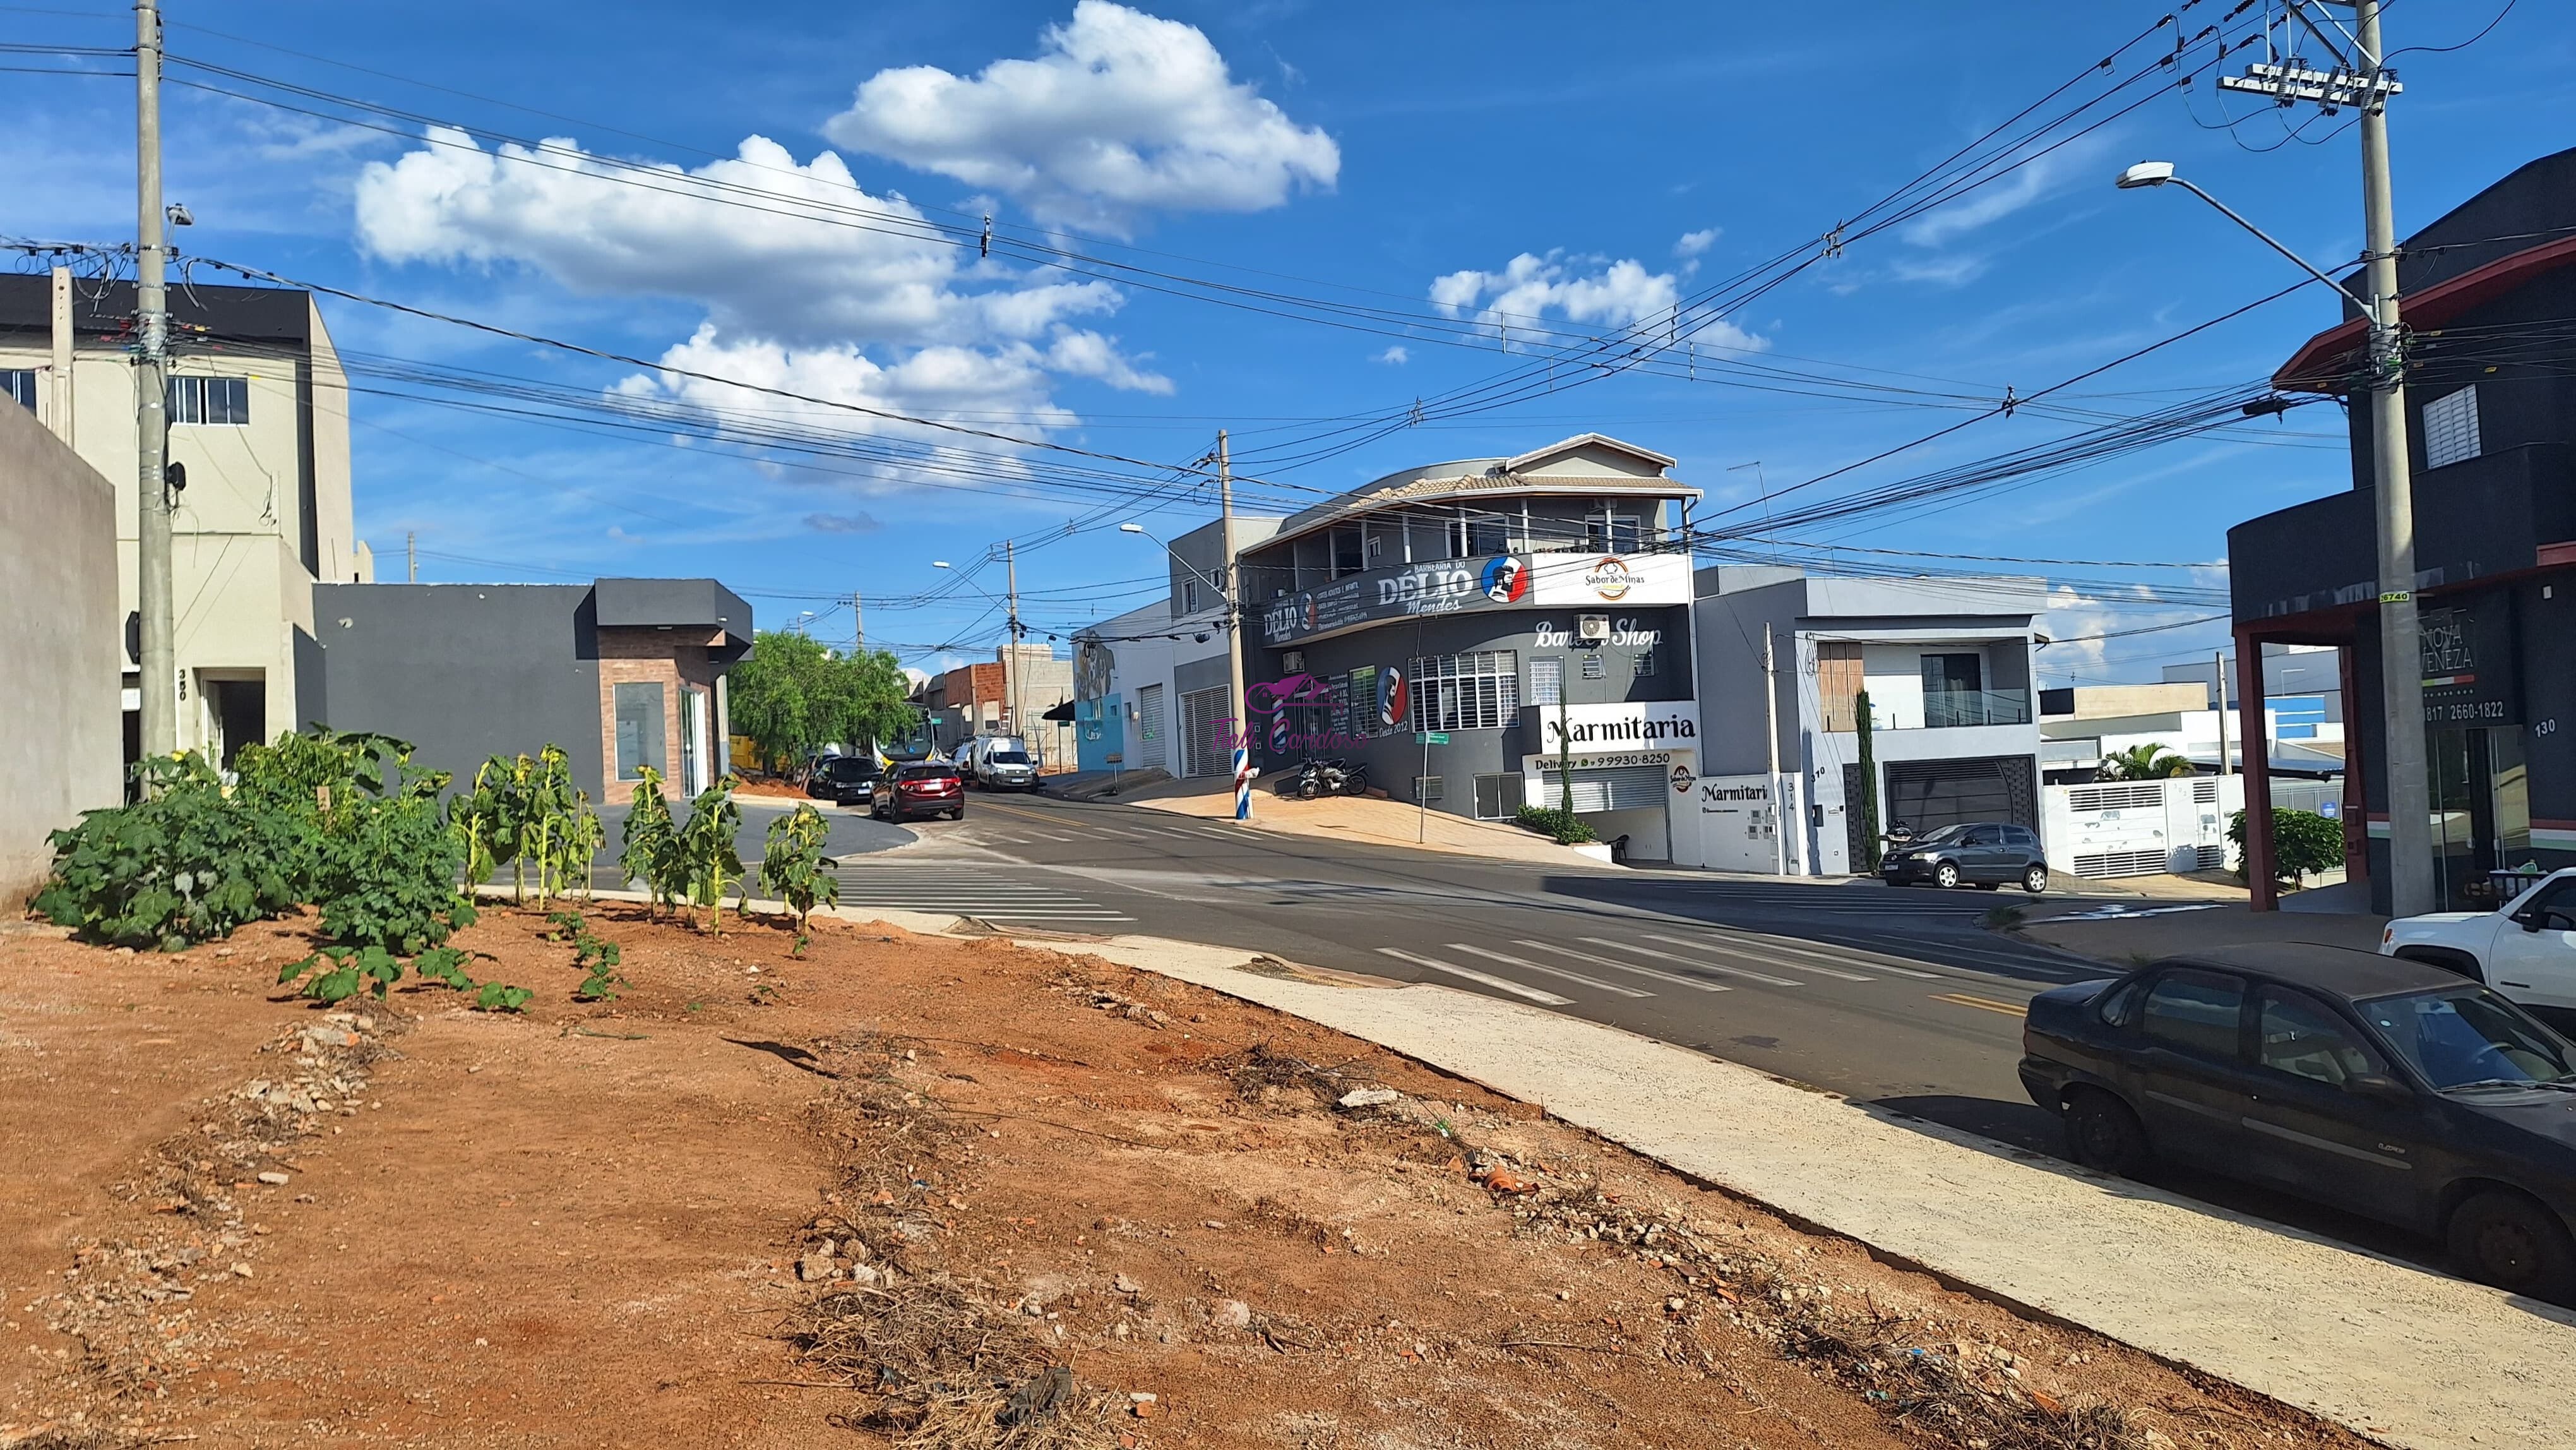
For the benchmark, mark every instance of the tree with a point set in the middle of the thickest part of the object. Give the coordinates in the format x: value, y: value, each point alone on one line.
x: 2151, y: 761
x: 1871, y: 854
x: 2302, y: 842
x: 791, y: 694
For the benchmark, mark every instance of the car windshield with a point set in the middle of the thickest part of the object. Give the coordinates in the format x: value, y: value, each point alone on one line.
x: 1008, y: 757
x: 1946, y: 833
x: 848, y: 769
x: 2467, y: 1036
x: 928, y: 772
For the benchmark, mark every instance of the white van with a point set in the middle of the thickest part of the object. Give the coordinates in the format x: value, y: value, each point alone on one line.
x: 998, y: 762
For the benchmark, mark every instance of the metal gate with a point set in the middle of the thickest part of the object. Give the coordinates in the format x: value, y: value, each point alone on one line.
x: 1610, y: 788
x: 1930, y: 794
x: 1149, y: 728
x: 1201, y: 754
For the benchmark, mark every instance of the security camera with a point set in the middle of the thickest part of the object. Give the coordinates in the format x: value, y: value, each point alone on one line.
x: 1201, y: 636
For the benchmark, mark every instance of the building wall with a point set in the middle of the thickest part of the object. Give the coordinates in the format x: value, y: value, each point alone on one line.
x: 465, y: 671
x: 677, y: 659
x: 63, y: 751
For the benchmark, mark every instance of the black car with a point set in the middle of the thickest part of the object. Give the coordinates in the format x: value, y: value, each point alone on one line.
x: 2385, y: 1087
x: 1984, y: 854
x: 847, y: 780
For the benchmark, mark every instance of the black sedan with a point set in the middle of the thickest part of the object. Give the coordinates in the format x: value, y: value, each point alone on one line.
x: 1986, y: 854
x: 846, y: 780
x: 2381, y: 1086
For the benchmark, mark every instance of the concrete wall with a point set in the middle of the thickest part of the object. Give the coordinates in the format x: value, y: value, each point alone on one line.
x: 63, y: 751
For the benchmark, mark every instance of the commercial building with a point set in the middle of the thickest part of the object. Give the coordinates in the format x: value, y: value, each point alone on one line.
x: 622, y: 673
x: 1945, y: 665
x: 259, y: 427
x: 1011, y: 694
x: 58, y: 591
x: 2490, y: 307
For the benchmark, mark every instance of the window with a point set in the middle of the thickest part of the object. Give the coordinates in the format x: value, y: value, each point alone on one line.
x: 19, y: 384
x: 1346, y: 551
x: 2196, y: 1012
x: 2299, y: 1036
x: 1362, y: 689
x: 2022, y: 836
x: 1594, y: 669
x: 1498, y: 797
x: 640, y: 735
x: 1479, y: 535
x: 1612, y: 533
x: 1189, y: 596
x: 1839, y: 683
x: 1478, y: 691
x: 1547, y: 681
x: 2119, y: 1006
x: 2467, y: 1034
x: 1426, y: 789
x: 1645, y: 665
x: 2451, y: 428
x: 210, y: 400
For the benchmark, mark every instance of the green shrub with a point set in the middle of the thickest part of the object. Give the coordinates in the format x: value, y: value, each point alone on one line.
x: 1563, y: 826
x: 791, y: 864
x: 2303, y: 843
x: 527, y: 812
x: 709, y: 861
x: 183, y: 865
x: 651, y: 852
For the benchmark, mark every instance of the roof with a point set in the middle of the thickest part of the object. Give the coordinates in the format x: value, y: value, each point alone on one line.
x: 2324, y: 364
x: 1523, y: 473
x: 671, y: 604
x: 200, y: 311
x: 2342, y: 970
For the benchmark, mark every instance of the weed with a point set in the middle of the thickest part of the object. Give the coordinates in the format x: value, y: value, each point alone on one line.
x: 598, y: 958
x: 562, y: 925
x: 792, y: 865
x: 2006, y: 916
x: 445, y: 966
x: 764, y: 994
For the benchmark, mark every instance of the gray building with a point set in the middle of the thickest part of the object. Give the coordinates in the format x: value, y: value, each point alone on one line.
x: 622, y: 673
x: 62, y: 754
x: 1946, y: 667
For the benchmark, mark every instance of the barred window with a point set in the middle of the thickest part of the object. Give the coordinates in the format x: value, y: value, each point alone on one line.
x: 210, y: 400
x: 1362, y: 688
x: 1547, y: 680
x: 2451, y: 428
x: 1476, y: 691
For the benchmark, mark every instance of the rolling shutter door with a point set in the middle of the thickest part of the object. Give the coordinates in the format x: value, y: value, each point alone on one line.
x: 1149, y: 728
x: 1200, y: 710
x: 1930, y: 794
x: 1611, y: 788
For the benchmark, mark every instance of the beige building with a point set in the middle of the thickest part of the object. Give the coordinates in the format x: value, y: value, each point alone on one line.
x: 259, y: 422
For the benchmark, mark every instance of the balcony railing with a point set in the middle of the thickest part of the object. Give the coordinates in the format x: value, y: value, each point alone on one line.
x: 1947, y: 709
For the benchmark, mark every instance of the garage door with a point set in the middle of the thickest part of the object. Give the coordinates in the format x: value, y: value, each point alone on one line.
x: 1200, y: 753
x: 1930, y: 794
x: 1610, y: 788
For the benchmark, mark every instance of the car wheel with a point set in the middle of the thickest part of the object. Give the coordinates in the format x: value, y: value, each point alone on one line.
x: 1946, y: 875
x: 2102, y: 1133
x: 2035, y: 880
x: 2511, y: 1242
x: 958, y: 814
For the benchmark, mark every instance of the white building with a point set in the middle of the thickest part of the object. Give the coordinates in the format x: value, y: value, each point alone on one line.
x: 1945, y: 665
x: 259, y: 421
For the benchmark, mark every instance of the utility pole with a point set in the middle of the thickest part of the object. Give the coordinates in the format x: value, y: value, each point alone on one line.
x: 2218, y: 668
x: 1011, y: 667
x: 58, y: 408
x: 2364, y: 81
x: 154, y: 589
x: 858, y: 625
x: 411, y: 557
x: 1234, y: 622
x: 1771, y: 737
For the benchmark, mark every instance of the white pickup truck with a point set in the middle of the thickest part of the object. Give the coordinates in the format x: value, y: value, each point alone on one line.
x: 2525, y: 949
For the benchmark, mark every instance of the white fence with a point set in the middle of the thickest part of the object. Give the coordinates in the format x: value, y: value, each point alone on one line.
x: 2141, y: 827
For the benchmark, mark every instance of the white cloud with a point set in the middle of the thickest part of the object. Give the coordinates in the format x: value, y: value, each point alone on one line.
x: 1089, y: 355
x: 1691, y: 244
x: 1119, y: 114
x: 1394, y: 356
x: 1531, y: 288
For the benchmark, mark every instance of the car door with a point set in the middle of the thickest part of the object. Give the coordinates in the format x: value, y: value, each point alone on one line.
x: 1976, y: 852
x: 2535, y: 950
x: 2310, y: 1130
x: 2189, y: 1077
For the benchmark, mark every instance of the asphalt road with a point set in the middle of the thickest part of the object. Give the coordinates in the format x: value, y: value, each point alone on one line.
x: 1895, y: 997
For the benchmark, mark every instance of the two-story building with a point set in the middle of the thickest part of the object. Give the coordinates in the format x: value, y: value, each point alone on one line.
x: 2490, y: 308
x: 259, y: 426
x: 1945, y: 666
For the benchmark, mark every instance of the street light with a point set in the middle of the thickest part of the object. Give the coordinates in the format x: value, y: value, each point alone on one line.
x: 2410, y: 804
x: 1195, y: 571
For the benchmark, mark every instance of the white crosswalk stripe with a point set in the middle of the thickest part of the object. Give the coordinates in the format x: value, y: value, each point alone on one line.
x: 1731, y: 948
x: 1500, y: 984
x: 1528, y: 966
x: 965, y: 889
x: 1744, y: 972
x: 1649, y: 973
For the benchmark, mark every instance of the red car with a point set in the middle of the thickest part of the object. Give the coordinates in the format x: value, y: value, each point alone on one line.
x: 920, y: 790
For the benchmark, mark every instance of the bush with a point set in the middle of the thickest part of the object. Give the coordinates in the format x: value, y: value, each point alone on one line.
x: 2303, y: 843
x: 1565, y: 827
x: 181, y: 866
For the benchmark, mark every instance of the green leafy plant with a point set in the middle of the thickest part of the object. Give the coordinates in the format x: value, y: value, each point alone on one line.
x: 2303, y: 843
x: 499, y: 997
x: 562, y: 925
x: 709, y: 862
x: 2151, y: 761
x: 791, y: 864
x: 651, y: 852
x: 334, y: 974
x: 1563, y: 826
x: 445, y: 966
x: 1873, y: 847
x: 526, y: 813
x: 184, y: 864
x: 598, y: 957
x: 792, y: 694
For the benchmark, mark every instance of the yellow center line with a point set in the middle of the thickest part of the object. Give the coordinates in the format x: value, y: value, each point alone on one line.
x: 1980, y: 1003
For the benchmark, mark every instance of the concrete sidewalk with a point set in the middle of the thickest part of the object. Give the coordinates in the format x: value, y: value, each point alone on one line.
x: 2407, y: 1357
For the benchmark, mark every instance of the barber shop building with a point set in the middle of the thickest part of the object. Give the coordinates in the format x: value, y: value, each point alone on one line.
x: 1521, y: 613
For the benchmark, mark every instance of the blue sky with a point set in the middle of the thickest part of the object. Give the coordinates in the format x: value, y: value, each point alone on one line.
x: 1390, y: 163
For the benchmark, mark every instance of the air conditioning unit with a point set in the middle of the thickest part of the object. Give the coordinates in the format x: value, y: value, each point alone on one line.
x: 1293, y: 661
x: 1592, y: 628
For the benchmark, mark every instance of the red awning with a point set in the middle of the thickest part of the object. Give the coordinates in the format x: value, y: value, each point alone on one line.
x: 2325, y: 363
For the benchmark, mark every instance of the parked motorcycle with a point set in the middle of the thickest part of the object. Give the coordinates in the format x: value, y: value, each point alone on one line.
x: 1331, y: 776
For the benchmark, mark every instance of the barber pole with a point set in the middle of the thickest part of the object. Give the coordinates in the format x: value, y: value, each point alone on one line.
x: 1242, y: 778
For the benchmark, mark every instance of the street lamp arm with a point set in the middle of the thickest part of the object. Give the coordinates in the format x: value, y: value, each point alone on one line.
x: 2367, y: 310
x: 1195, y: 571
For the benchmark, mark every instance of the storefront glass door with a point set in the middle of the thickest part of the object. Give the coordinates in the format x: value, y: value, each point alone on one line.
x: 2481, y: 812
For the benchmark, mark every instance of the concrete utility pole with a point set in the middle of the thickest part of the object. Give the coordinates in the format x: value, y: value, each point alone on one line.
x: 154, y: 589
x: 858, y: 625
x: 58, y: 407
x: 1011, y: 661
x: 2363, y: 80
x: 1771, y: 738
x: 2218, y: 668
x: 1234, y: 623
x: 411, y: 557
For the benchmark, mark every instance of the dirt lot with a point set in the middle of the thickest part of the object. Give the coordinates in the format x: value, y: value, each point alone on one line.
x: 909, y: 1190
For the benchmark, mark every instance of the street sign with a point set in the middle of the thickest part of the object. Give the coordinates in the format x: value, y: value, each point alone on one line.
x: 1431, y: 737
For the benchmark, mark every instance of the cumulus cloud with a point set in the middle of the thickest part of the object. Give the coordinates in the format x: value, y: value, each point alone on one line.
x: 1394, y: 356
x: 1120, y: 113
x: 2078, y: 618
x: 1691, y: 244
x: 1595, y: 290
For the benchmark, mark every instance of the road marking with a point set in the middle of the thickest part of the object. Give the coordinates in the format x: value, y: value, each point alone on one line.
x: 1052, y: 836
x: 1745, y: 972
x: 1678, y: 981
x: 1811, y: 964
x: 1005, y: 840
x: 1981, y: 1004
x: 1510, y: 961
x: 1875, y: 959
x: 1548, y: 999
